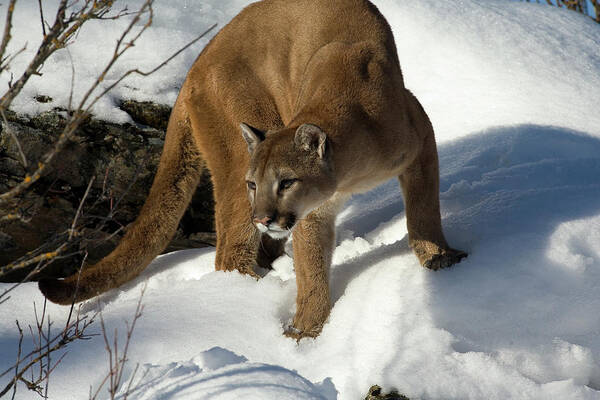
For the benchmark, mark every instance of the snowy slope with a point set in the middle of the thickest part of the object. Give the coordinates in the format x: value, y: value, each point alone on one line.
x: 510, y: 88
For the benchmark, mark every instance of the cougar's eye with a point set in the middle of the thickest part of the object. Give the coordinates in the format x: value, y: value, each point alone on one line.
x: 286, y: 183
x: 251, y: 185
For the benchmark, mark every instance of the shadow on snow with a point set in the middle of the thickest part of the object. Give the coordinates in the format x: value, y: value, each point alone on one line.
x: 504, y: 192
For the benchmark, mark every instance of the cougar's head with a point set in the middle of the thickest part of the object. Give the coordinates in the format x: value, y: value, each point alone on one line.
x: 290, y: 174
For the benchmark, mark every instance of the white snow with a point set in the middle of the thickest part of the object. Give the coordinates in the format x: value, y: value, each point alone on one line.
x: 512, y: 90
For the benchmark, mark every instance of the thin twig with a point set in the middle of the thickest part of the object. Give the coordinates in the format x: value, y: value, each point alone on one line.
x: 7, y: 29
x: 50, y: 348
x: 42, y: 257
x: 19, y: 349
x: 8, y: 128
x: 73, y: 302
x: 44, y: 347
x: 142, y: 73
x: 116, y: 363
x: 42, y: 17
x: 72, y: 231
x: 54, y: 40
x: 48, y: 360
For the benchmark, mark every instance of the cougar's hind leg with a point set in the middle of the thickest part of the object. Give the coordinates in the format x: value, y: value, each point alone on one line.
x: 420, y: 185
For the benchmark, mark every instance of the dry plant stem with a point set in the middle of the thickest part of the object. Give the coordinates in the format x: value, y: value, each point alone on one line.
x: 48, y: 360
x: 47, y: 256
x: 43, y: 259
x: 20, y: 346
x: 84, y: 107
x: 6, y: 36
x: 116, y: 363
x: 62, y: 30
x: 49, y: 44
x: 43, y: 347
x: 130, y: 386
x: 13, y: 216
x: 4, y: 61
x: 42, y: 17
x: 73, y: 231
x: 57, y: 37
x: 142, y: 73
x: 4, y: 295
x: 34, y: 260
x: 72, y: 234
x: 14, y: 137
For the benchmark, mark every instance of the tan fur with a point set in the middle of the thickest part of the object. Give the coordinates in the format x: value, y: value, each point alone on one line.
x: 317, y: 87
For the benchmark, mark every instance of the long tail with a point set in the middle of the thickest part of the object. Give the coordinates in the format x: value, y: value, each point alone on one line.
x: 177, y: 177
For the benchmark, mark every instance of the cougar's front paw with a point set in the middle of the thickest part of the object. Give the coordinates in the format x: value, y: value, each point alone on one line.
x: 242, y: 269
x: 250, y: 271
x: 59, y: 292
x: 445, y: 259
x: 308, y: 322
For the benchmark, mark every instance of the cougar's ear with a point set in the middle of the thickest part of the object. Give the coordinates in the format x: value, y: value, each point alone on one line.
x: 252, y: 136
x: 311, y: 137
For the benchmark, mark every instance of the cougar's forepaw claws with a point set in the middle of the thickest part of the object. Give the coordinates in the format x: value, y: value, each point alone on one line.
x: 295, y: 333
x: 292, y: 330
x: 445, y: 260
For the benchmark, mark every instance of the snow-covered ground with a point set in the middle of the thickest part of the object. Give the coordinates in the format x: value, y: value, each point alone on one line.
x: 512, y: 89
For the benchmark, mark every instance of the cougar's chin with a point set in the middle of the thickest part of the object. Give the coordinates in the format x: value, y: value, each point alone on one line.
x: 278, y: 233
x: 275, y: 231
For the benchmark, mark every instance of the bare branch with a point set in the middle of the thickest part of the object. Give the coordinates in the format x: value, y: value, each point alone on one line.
x: 79, y: 115
x: 75, y: 331
x: 116, y: 363
x: 158, y: 67
x: 42, y: 17
x: 14, y: 137
x: 19, y: 349
x: 58, y: 36
x: 7, y: 29
x: 47, y: 47
x: 118, y: 52
x: 72, y: 231
x: 34, y: 260
x: 54, y: 40
x: 74, y: 295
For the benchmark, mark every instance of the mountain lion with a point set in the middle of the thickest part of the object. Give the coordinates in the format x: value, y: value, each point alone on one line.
x: 293, y: 106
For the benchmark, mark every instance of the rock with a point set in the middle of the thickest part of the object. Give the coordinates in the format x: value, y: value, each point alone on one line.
x: 122, y: 159
x: 375, y: 394
x: 147, y: 113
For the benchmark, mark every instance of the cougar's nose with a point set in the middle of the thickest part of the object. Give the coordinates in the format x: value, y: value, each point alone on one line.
x: 264, y: 221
